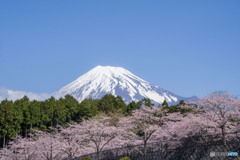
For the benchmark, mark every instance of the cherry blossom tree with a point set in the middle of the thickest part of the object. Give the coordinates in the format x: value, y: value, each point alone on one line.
x: 96, y: 133
x: 74, y: 142
x: 44, y: 146
x: 185, y: 122
x: 5, y: 154
x: 143, y: 123
x: 70, y: 145
x: 22, y: 148
x: 49, y: 146
x: 180, y: 126
x: 223, y: 109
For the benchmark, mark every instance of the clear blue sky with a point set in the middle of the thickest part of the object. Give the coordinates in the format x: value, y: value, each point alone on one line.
x: 187, y: 47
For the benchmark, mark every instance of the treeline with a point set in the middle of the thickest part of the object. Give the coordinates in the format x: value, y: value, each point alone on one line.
x: 21, y: 116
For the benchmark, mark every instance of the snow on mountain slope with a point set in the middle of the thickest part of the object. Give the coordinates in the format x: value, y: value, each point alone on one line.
x: 103, y: 80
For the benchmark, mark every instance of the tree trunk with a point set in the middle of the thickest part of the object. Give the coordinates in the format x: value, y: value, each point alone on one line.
x: 145, y: 148
x: 98, y: 152
x: 26, y: 132
x: 145, y: 144
x: 4, y: 140
x: 51, y: 156
x: 16, y: 130
x: 31, y: 130
x: 223, y: 135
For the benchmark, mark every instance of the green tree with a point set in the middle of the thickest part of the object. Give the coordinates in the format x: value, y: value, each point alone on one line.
x: 18, y: 117
x: 60, y: 112
x: 6, y: 121
x: 34, y: 111
x: 23, y: 105
x: 131, y: 107
x: 145, y: 102
x: 87, y: 108
x: 181, y: 102
x: 107, y: 103
x: 120, y: 104
x: 165, y: 104
x: 72, y: 105
x: 48, y: 112
x: 44, y: 118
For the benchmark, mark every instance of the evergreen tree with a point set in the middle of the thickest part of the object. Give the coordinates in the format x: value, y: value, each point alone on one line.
x: 131, y: 107
x: 48, y: 112
x: 60, y: 112
x: 23, y: 104
x: 87, y: 108
x: 6, y: 121
x: 34, y: 111
x: 181, y: 102
x: 72, y: 105
x: 18, y: 117
x: 107, y: 103
x: 120, y: 104
x: 145, y: 102
x: 165, y: 104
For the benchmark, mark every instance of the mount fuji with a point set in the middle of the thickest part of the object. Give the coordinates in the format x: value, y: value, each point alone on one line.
x: 118, y: 81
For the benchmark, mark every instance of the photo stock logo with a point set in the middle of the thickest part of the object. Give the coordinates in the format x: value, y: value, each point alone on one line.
x: 223, y: 154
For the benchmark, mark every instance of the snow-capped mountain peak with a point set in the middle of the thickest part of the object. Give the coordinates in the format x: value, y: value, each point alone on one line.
x: 103, y: 80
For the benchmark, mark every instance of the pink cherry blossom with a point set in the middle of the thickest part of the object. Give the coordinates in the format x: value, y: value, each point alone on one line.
x: 224, y: 110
